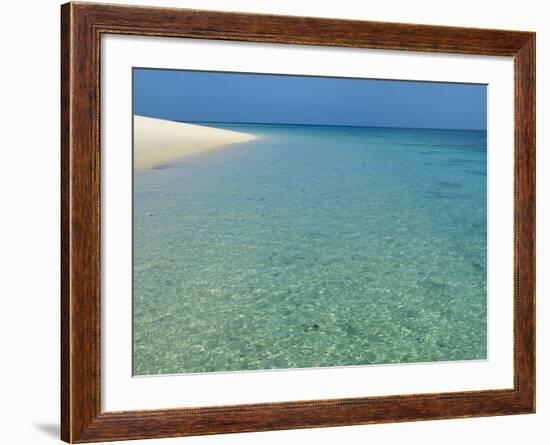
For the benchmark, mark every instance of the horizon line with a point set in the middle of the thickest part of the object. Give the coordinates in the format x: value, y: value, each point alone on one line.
x: 328, y: 125
x: 314, y: 125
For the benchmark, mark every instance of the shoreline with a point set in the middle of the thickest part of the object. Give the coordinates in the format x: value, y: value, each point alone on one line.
x: 159, y: 142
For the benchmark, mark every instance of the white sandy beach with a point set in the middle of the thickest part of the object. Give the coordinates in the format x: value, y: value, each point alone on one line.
x: 158, y: 141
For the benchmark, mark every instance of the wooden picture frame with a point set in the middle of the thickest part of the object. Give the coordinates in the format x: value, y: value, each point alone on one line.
x: 82, y: 25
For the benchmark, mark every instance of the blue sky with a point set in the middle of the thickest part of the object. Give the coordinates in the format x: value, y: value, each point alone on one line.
x: 263, y: 98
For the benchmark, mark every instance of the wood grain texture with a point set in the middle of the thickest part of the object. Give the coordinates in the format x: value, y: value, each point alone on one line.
x: 82, y: 25
x: 65, y: 227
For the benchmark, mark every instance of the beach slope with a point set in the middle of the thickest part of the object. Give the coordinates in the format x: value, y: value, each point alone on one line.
x: 158, y: 142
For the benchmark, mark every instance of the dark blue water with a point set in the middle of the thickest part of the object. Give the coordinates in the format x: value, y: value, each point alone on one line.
x: 313, y: 247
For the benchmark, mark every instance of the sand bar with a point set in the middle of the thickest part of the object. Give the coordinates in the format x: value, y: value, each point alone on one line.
x: 159, y: 142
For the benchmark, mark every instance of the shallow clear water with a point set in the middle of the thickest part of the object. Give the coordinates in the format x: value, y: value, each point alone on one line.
x: 313, y: 247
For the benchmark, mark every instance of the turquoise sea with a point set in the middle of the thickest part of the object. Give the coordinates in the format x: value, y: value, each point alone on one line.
x: 313, y: 246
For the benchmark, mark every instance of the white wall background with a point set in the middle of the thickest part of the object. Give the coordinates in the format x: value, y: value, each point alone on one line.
x: 29, y: 239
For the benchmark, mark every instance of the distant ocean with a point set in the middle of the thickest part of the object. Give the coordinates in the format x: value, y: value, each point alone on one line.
x: 313, y: 246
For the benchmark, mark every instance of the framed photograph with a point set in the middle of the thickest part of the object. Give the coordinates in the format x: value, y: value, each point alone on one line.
x: 274, y: 222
